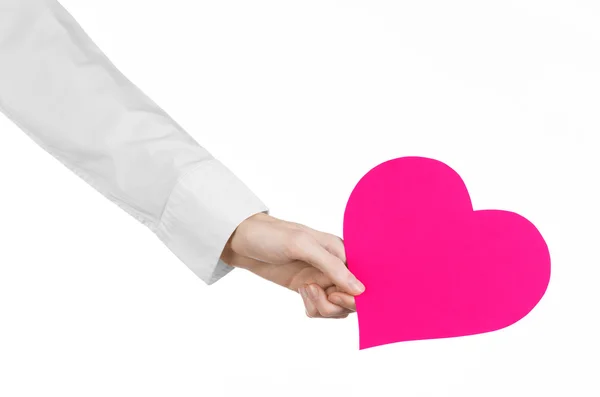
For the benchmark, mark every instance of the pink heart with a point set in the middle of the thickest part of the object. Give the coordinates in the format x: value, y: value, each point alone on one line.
x: 433, y: 267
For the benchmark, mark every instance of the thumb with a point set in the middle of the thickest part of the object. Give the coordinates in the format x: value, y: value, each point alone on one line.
x: 310, y: 251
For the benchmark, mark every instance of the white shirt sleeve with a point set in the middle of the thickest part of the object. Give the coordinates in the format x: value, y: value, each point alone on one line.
x: 59, y: 88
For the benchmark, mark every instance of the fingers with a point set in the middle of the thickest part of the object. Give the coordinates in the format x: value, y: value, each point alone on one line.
x: 306, y: 248
x: 340, y: 298
x: 343, y: 300
x: 311, y: 309
x: 318, y: 306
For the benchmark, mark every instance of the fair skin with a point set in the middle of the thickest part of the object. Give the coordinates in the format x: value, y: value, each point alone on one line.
x: 299, y: 258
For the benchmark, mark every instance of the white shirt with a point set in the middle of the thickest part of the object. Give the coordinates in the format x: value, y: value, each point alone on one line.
x: 59, y: 88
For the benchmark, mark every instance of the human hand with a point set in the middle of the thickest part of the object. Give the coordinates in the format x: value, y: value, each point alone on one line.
x: 299, y: 258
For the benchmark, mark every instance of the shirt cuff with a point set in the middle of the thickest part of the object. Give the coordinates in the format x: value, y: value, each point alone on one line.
x: 204, y: 209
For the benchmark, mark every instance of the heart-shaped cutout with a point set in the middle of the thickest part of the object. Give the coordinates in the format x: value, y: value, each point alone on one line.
x: 432, y: 266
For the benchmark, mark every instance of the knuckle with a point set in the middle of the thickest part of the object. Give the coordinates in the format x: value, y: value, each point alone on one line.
x: 312, y: 313
x: 335, y: 241
x: 329, y: 312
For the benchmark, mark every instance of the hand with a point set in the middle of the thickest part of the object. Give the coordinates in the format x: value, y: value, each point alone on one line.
x: 297, y: 257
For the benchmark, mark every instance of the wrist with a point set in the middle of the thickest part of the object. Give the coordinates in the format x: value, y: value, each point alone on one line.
x: 232, y: 258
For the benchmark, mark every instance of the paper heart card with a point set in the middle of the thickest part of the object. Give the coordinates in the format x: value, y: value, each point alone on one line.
x: 434, y: 267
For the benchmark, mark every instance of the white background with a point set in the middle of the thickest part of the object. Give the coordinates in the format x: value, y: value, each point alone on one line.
x: 300, y: 99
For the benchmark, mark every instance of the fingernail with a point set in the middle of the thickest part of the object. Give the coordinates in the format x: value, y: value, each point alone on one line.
x: 302, y: 291
x: 313, y: 292
x: 356, y: 285
x: 337, y: 300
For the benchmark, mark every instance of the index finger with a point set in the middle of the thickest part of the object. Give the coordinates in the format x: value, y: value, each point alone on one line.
x: 344, y: 300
